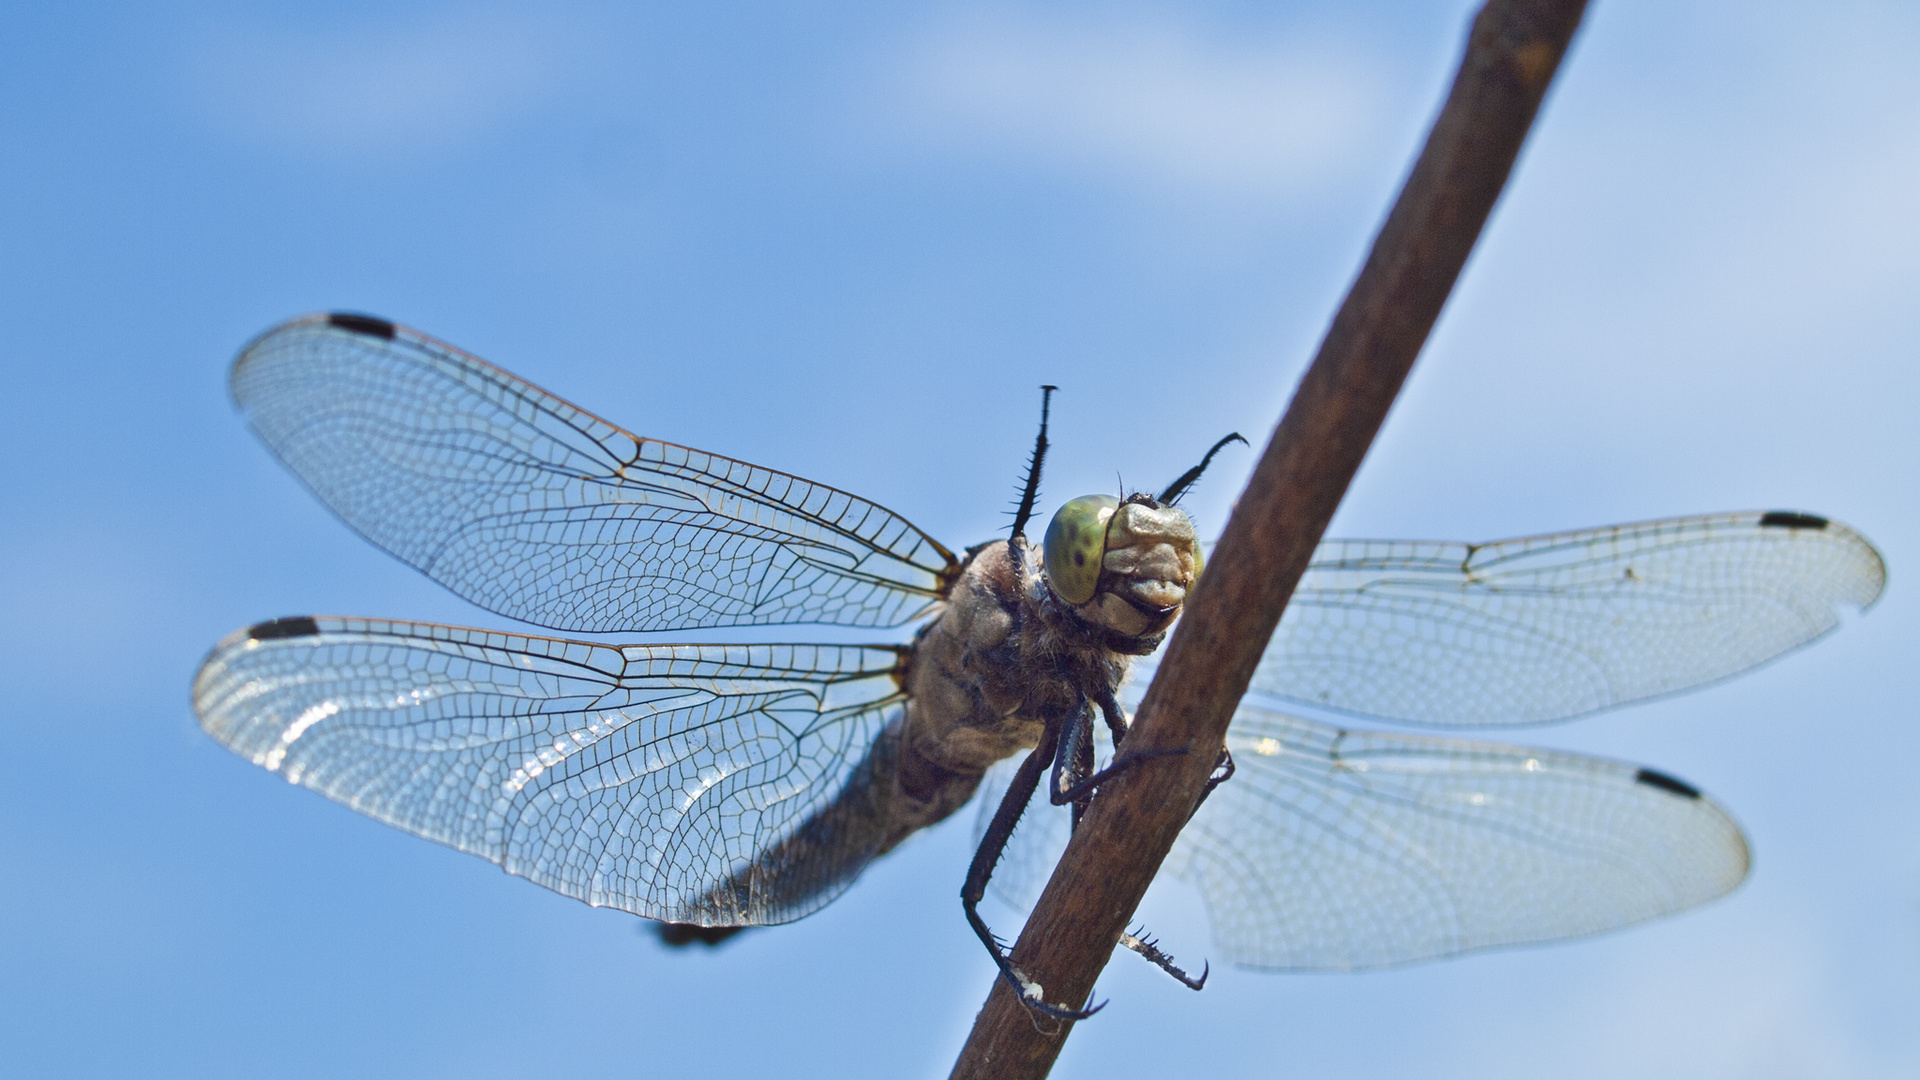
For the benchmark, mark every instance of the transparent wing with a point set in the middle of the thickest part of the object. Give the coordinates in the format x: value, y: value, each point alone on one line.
x: 1334, y: 849
x: 647, y: 778
x: 540, y: 511
x: 1550, y: 627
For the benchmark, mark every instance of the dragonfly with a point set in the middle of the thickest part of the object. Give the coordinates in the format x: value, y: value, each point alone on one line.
x: 715, y: 786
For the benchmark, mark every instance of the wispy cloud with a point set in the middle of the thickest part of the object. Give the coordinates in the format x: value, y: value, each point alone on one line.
x: 1151, y: 101
x: 408, y: 87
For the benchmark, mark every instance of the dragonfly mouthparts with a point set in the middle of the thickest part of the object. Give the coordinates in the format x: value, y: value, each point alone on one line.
x: 1151, y: 559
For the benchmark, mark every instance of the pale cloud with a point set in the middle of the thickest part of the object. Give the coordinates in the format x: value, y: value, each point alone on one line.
x: 1152, y: 102
x: 404, y: 87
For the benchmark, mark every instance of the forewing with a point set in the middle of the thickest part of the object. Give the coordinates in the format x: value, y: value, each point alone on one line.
x: 646, y: 778
x: 1550, y: 627
x: 538, y: 510
x: 1333, y: 849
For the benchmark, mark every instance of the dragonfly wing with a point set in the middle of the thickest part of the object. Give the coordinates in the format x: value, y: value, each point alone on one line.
x: 1546, y: 628
x: 642, y: 777
x: 1336, y: 849
x: 541, y: 511
x: 1333, y: 849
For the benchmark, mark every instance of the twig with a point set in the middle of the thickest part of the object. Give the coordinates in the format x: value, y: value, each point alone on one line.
x: 1513, y: 50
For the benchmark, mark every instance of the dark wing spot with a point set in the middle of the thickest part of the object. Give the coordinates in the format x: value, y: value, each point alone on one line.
x: 361, y: 324
x: 296, y: 626
x: 1789, y: 519
x: 1079, y: 558
x: 680, y: 934
x: 1666, y: 783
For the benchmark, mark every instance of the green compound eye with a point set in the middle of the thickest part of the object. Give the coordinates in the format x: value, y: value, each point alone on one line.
x: 1076, y: 542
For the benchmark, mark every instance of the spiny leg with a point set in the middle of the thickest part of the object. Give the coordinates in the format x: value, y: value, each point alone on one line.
x: 1149, y: 948
x: 992, y: 846
x: 1031, y: 490
x: 1079, y: 733
x: 1179, y: 487
x: 1137, y: 939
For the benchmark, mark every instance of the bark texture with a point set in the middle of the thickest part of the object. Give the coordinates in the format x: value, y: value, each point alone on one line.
x: 1513, y: 49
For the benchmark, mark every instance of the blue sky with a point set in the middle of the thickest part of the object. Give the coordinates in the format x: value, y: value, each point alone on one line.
x: 847, y: 241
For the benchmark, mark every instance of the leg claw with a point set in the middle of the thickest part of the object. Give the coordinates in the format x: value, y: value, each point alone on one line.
x: 1150, y: 949
x: 1033, y: 996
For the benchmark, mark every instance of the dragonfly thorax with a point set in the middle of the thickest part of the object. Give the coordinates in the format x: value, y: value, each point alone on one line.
x: 1126, y: 567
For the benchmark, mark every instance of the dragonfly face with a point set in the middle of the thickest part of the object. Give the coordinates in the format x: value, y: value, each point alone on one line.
x: 1124, y: 567
x: 736, y: 784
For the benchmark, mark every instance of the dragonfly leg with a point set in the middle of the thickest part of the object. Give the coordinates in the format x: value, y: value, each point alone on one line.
x: 1082, y: 767
x: 1117, y: 723
x: 1149, y: 948
x: 1074, y: 762
x: 1222, y: 772
x: 1085, y: 779
x: 1120, y: 764
x: 992, y: 846
x: 1115, y: 716
x: 1031, y: 490
x: 1179, y: 487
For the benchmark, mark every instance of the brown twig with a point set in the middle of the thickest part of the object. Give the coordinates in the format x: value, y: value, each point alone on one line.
x: 1513, y: 50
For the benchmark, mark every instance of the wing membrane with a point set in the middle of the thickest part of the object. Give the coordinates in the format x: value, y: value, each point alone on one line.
x: 1545, y: 628
x: 640, y: 777
x: 540, y: 511
x: 1333, y: 849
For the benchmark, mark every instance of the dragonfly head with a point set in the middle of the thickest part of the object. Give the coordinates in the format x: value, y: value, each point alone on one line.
x: 1124, y: 565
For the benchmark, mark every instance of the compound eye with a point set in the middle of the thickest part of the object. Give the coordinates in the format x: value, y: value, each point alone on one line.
x: 1076, y: 542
